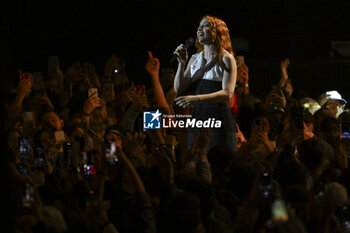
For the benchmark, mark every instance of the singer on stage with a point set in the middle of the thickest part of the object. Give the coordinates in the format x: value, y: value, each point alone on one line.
x: 213, y: 70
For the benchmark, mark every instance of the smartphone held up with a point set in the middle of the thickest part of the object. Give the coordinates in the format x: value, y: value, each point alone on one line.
x: 279, y: 211
x: 88, y: 166
x: 24, y: 148
x: 93, y: 92
x: 67, y: 154
x: 345, y: 130
x: 25, y: 76
x: 28, y: 195
x: 111, y: 152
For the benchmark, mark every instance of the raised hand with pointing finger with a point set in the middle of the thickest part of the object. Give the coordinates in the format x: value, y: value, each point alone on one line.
x: 152, y: 65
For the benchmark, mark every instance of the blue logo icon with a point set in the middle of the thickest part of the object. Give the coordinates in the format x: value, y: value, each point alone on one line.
x: 151, y: 120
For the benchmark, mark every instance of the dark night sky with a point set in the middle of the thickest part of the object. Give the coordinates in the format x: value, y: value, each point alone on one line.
x: 93, y: 30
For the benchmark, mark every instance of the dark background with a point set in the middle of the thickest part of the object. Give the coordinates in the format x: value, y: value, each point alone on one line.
x: 91, y: 31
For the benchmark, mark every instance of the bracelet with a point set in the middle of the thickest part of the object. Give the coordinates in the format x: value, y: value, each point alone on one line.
x: 246, y: 85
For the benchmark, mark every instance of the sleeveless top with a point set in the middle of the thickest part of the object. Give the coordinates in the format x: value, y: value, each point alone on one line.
x: 208, y: 79
x: 213, y: 71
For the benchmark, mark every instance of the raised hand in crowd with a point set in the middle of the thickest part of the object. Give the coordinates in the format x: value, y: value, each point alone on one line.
x: 25, y: 84
x: 279, y: 95
x: 23, y: 89
x: 239, y: 137
x: 275, y: 100
x: 139, y: 97
x: 152, y: 67
x: 284, y: 74
x: 243, y: 77
x: 91, y: 103
x: 241, y: 89
x: 133, y: 101
x: 285, y: 82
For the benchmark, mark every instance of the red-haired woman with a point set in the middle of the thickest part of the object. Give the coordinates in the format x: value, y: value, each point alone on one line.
x: 213, y: 71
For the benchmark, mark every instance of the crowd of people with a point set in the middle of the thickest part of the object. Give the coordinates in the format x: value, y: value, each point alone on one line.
x: 81, y: 161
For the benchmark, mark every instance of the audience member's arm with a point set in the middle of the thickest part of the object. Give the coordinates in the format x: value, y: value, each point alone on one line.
x: 244, y: 98
x: 139, y: 102
x: 152, y: 67
x: 147, y: 222
x: 243, y: 78
x: 130, y: 167
x: 24, y: 87
x: 90, y: 104
x: 284, y: 74
x: 134, y: 147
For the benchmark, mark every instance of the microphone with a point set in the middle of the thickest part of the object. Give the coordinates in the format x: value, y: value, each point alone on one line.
x: 187, y: 44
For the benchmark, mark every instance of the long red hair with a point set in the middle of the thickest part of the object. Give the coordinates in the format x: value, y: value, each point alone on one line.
x: 220, y: 35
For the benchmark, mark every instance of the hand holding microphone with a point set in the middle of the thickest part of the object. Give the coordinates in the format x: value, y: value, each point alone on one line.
x: 180, y: 54
x: 181, y: 51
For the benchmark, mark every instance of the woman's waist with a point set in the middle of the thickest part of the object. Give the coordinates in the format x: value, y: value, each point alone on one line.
x: 208, y: 86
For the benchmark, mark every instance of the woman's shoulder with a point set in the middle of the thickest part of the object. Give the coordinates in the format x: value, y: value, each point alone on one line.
x: 227, y: 56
